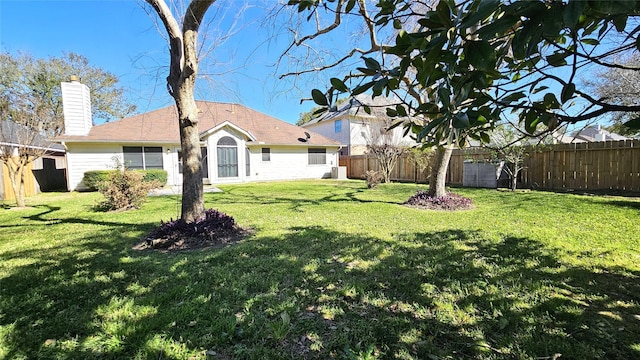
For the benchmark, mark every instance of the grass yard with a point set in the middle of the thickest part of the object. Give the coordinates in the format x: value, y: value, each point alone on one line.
x: 333, y: 270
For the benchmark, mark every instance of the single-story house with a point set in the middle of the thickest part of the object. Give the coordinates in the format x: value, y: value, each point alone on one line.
x: 238, y: 144
x: 352, y: 126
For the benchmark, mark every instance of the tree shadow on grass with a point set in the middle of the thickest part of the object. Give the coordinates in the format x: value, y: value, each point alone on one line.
x: 314, y: 293
x: 336, y: 194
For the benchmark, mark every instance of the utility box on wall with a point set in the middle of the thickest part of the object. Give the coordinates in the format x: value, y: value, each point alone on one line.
x: 481, y: 174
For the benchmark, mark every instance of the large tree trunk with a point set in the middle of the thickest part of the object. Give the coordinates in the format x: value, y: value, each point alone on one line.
x: 439, y: 170
x: 192, y: 190
x: 183, y: 70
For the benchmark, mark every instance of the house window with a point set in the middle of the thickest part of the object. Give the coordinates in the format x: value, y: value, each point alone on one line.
x: 227, y: 157
x: 266, y: 154
x: 142, y: 157
x: 337, y: 126
x: 317, y: 156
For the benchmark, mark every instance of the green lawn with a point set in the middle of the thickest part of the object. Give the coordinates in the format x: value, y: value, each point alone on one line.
x: 333, y: 270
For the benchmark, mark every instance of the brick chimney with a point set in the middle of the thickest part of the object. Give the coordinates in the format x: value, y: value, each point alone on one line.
x: 76, y: 107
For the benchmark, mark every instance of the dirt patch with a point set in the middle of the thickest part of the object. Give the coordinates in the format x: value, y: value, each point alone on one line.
x: 180, y: 242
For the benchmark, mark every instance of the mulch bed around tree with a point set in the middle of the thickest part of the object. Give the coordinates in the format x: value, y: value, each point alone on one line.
x: 179, y: 242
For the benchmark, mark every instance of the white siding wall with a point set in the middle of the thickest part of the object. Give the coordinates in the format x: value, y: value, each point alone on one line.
x: 327, y: 128
x: 84, y: 157
x: 289, y: 163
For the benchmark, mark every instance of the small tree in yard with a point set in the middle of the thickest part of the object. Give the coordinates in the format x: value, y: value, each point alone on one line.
x: 31, y: 107
x: 513, y: 157
x: 384, y: 145
x: 510, y: 146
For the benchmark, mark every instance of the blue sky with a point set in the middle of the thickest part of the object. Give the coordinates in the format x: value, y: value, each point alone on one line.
x: 120, y: 37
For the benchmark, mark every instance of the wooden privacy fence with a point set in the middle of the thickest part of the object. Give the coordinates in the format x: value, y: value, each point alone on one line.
x: 6, y: 190
x: 610, y: 165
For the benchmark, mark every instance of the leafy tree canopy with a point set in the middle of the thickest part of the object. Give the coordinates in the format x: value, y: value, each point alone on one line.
x: 23, y: 75
x: 464, y: 65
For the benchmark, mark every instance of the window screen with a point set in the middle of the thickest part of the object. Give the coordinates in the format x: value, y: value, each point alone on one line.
x: 317, y: 156
x: 153, y: 157
x: 266, y: 154
x: 133, y: 157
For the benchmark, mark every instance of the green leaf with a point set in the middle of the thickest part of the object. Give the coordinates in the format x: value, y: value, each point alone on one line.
x: 426, y: 130
x: 397, y: 24
x: 567, y: 92
x: 531, y: 121
x: 350, y: 6
x: 558, y: 58
x: 514, y: 96
x: 444, y: 13
x: 633, y: 123
x: 485, y: 137
x: 620, y: 22
x: 401, y: 110
x: 444, y: 95
x: 367, y: 71
x: 362, y: 88
x: 484, y: 10
x: 590, y: 41
x: 338, y: 85
x: 480, y: 54
x: 394, y: 125
x: 550, y: 101
x: 319, y: 98
x: 371, y: 63
x: 391, y: 112
x: 571, y: 13
x: 541, y: 88
x: 461, y: 120
x: 321, y: 110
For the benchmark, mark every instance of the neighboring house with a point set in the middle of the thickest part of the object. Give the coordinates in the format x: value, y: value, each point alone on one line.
x: 46, y: 173
x: 351, y: 125
x: 238, y: 144
x: 591, y: 133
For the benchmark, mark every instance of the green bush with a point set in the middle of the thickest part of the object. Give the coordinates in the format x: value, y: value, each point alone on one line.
x: 125, y: 189
x: 155, y: 175
x: 93, y: 177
